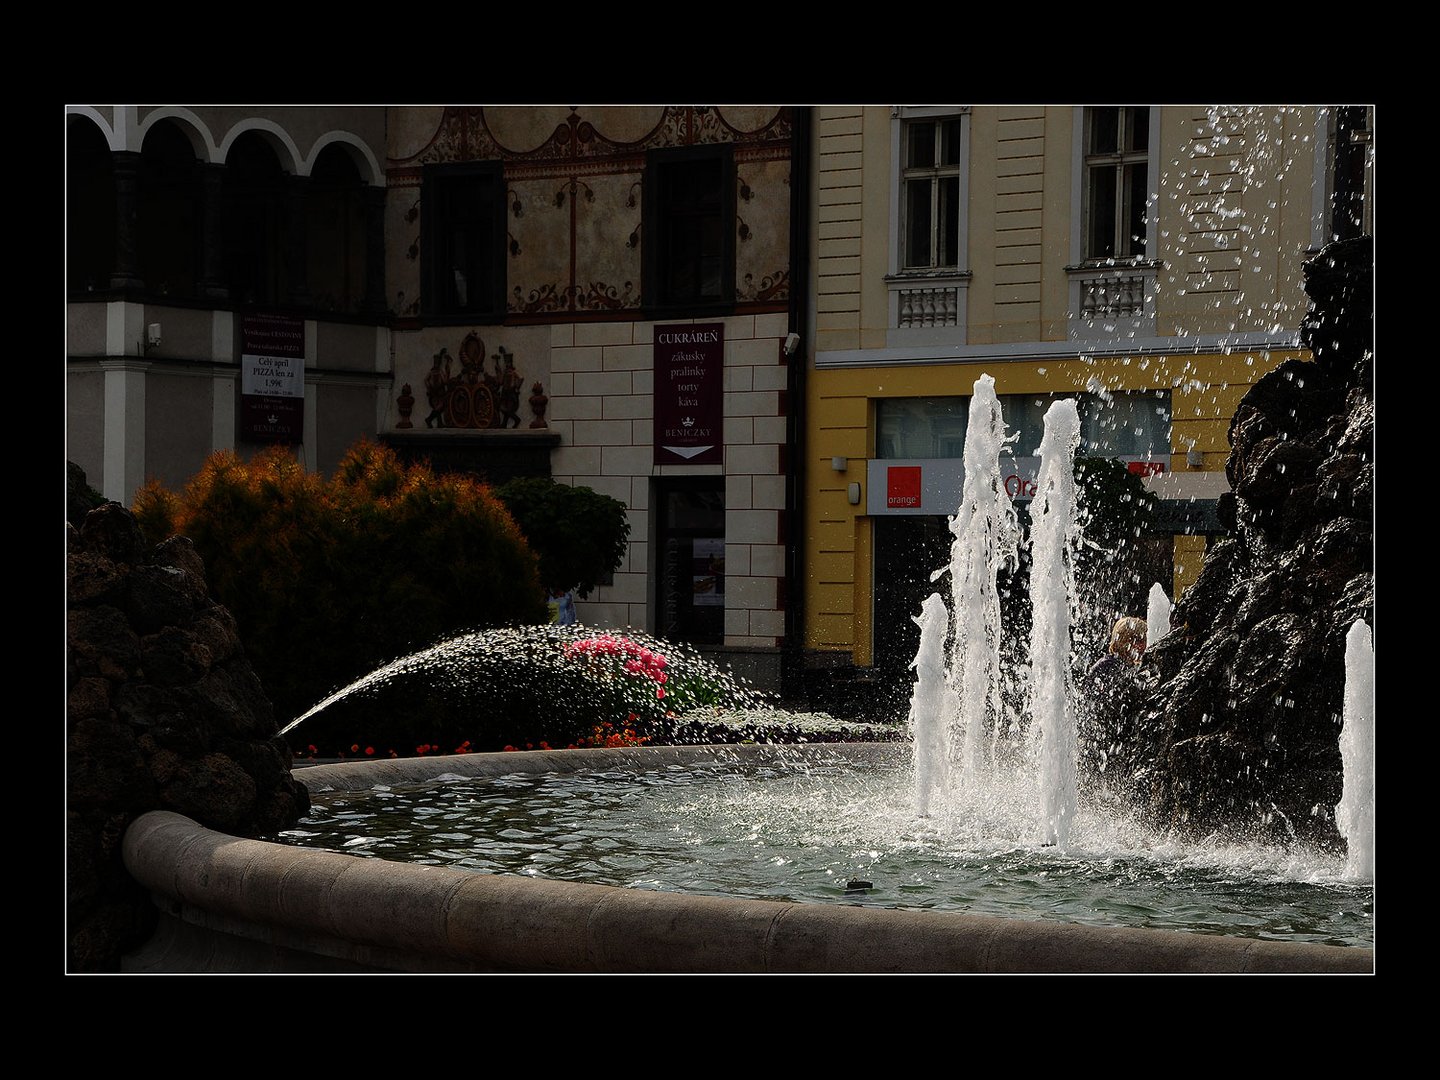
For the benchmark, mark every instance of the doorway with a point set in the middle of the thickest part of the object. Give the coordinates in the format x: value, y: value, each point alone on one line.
x: 690, y: 566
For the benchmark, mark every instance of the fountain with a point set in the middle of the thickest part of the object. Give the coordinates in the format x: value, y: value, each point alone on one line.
x: 1157, y: 615
x: 288, y: 905
x: 985, y: 534
x: 1355, y: 816
x: 1052, y: 587
x: 931, y: 706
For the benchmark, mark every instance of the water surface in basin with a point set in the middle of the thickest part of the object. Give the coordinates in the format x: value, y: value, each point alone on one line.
x: 811, y: 834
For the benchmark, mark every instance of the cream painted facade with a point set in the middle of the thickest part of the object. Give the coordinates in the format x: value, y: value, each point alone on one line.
x: 1235, y: 199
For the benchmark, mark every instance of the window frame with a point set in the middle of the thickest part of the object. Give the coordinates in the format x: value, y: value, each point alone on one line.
x: 659, y: 223
x: 440, y: 184
x: 927, y: 305
x: 1123, y: 158
x: 935, y: 173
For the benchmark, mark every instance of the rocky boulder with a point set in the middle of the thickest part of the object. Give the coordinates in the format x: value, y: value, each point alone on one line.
x: 163, y: 712
x: 1242, y: 709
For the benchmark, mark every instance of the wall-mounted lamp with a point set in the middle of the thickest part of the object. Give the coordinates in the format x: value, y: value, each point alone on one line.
x: 152, y: 338
x: 1195, y: 458
x: 839, y: 464
x: 852, y: 492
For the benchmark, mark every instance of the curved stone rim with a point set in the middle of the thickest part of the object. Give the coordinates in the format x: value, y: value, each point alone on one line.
x: 230, y: 904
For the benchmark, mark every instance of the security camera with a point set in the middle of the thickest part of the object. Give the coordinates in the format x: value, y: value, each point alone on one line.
x: 792, y: 342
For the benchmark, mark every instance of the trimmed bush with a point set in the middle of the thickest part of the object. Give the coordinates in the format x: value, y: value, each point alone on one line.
x: 329, y: 579
x: 579, y: 534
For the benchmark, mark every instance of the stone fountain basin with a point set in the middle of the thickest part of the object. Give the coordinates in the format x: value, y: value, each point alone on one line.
x: 235, y: 905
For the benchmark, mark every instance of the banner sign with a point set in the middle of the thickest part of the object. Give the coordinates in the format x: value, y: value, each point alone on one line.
x: 690, y: 394
x: 272, y: 378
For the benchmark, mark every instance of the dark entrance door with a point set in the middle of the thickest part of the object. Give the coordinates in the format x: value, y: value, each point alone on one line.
x: 690, y: 535
x: 908, y: 549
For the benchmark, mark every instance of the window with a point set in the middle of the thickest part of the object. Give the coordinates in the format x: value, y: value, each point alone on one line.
x: 1125, y: 424
x: 336, y: 232
x: 928, y: 276
x: 689, y: 227
x: 463, y: 240
x: 1117, y: 152
x: 1350, y: 212
x: 930, y: 179
x: 257, y: 208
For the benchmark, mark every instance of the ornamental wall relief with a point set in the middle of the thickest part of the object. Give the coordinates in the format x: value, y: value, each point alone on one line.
x: 471, y: 390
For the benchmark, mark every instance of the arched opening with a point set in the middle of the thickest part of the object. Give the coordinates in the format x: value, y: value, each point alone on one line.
x: 335, y: 232
x: 90, y: 208
x: 254, y: 222
x: 169, y: 233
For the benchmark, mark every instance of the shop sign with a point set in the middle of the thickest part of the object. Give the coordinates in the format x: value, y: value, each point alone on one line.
x: 690, y: 394
x: 272, y: 379
x: 934, y: 485
x: 902, y: 487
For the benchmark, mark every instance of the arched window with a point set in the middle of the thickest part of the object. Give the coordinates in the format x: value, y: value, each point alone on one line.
x: 335, y: 232
x: 170, y: 213
x: 254, y: 222
x: 90, y: 208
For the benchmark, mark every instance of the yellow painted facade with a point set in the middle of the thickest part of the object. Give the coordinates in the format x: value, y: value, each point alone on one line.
x: 1229, y: 219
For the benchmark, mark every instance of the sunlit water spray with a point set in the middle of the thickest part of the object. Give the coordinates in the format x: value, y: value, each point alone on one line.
x: 986, y: 534
x: 1355, y: 815
x: 1157, y: 615
x: 931, y: 706
x: 1054, y: 538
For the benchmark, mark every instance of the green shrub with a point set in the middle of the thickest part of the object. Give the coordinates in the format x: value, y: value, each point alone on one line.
x: 578, y: 534
x: 329, y: 579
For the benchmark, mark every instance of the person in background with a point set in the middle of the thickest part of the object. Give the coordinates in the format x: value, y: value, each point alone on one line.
x: 561, y: 603
x: 1110, y: 693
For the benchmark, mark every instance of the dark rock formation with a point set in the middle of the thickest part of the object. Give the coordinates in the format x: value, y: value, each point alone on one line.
x: 1239, y: 726
x: 163, y: 712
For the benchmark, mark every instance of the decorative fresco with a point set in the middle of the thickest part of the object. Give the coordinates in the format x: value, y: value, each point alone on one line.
x: 574, y: 197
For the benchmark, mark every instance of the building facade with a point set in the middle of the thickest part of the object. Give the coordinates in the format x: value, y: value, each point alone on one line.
x: 198, y: 237
x: 599, y: 295
x: 757, y: 327
x: 603, y: 295
x: 1145, y: 260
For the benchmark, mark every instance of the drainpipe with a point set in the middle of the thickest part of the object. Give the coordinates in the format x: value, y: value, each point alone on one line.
x: 792, y: 674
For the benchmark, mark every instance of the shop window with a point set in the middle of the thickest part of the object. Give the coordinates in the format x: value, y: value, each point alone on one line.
x: 1127, y: 424
x: 690, y: 570
x: 689, y: 227
x: 463, y: 240
x: 1117, y: 165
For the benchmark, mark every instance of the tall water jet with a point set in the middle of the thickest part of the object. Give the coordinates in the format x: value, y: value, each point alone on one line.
x: 932, y: 703
x: 986, y: 535
x: 1157, y: 615
x: 1355, y: 814
x: 1054, y: 537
